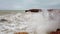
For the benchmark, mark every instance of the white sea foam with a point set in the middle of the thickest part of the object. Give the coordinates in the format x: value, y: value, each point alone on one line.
x: 40, y: 23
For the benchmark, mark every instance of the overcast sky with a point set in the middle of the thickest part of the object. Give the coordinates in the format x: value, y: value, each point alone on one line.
x: 27, y: 4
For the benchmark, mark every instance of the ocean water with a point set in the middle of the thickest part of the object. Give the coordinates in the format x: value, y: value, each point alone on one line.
x: 40, y: 23
x: 10, y: 11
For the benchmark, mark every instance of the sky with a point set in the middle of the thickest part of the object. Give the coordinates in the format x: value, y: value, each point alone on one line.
x: 28, y: 4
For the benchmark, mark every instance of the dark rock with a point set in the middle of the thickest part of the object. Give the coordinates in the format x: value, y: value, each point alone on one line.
x: 3, y: 20
x: 33, y: 10
x: 58, y: 29
x: 49, y: 10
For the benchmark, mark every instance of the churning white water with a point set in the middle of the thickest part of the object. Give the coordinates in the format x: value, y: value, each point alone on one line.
x: 33, y: 23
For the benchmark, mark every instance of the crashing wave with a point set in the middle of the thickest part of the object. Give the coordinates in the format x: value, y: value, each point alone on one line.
x: 39, y: 23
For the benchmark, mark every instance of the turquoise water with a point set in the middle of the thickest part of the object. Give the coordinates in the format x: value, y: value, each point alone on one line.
x: 10, y: 11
